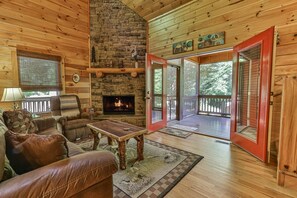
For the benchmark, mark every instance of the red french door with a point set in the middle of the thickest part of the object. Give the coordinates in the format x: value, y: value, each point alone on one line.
x: 156, y: 110
x: 252, y: 65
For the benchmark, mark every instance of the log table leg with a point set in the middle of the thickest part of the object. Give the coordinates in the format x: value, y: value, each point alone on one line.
x: 122, y: 154
x: 96, y: 139
x: 140, y: 145
x: 109, y: 141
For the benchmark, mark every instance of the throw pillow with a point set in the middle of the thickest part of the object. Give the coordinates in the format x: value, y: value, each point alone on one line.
x: 20, y: 121
x: 27, y: 152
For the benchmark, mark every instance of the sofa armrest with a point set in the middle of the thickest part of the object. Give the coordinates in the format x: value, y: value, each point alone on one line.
x: 60, y: 119
x: 60, y: 123
x: 45, y: 123
x: 64, y: 178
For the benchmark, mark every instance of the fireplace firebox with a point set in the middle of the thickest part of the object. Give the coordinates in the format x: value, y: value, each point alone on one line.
x: 118, y: 105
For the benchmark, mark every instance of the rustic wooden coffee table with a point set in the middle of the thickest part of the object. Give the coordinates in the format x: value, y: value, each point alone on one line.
x: 121, y: 132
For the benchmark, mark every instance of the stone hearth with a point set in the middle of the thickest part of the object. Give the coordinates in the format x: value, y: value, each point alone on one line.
x: 115, y: 85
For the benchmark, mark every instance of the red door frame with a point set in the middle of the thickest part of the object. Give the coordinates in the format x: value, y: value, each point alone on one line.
x: 258, y: 148
x: 150, y: 59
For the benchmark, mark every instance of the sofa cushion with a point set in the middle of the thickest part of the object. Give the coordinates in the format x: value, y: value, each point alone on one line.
x: 69, y: 107
x: 8, y: 172
x: 78, y: 123
x: 3, y: 129
x: 27, y: 152
x: 19, y: 121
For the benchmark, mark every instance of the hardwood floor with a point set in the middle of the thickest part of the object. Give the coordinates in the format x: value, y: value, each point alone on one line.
x: 225, y: 171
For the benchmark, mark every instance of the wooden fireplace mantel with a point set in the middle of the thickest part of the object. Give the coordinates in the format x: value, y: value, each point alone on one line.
x: 101, y: 71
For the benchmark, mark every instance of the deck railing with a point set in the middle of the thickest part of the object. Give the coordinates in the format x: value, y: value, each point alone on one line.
x: 214, y: 105
x: 37, y: 105
x: 190, y: 105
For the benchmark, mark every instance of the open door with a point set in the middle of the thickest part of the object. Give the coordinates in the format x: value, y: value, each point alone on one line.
x: 156, y: 109
x: 252, y: 62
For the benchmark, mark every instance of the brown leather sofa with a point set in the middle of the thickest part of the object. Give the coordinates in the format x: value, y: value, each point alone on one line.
x: 72, y: 121
x: 83, y: 174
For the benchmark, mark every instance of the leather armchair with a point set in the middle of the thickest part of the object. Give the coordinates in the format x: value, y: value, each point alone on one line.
x: 83, y: 174
x: 71, y: 121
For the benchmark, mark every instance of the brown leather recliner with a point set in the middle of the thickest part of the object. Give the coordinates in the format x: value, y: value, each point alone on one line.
x: 71, y: 120
x: 83, y: 174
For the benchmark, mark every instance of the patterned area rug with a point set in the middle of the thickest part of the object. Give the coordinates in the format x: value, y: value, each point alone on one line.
x: 175, y: 132
x: 162, y: 168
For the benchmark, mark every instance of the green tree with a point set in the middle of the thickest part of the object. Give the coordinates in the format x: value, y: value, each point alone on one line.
x: 216, y: 78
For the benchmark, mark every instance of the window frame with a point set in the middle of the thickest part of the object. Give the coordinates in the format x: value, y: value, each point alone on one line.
x: 28, y: 54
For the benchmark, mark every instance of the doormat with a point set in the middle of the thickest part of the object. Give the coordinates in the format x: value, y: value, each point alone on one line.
x: 176, y: 132
x: 162, y: 168
x: 185, y: 128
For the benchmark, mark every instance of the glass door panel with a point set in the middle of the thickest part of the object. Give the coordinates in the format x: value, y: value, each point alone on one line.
x: 248, y: 89
x: 156, y: 108
x: 252, y: 66
x: 157, y: 87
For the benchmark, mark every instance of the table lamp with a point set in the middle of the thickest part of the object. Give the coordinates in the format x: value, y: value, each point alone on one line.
x: 12, y: 95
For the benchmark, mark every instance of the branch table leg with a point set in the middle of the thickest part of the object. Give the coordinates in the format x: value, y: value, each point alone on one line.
x: 96, y: 139
x: 140, y: 145
x: 122, y: 154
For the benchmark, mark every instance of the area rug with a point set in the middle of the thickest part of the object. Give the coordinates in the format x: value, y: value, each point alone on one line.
x: 185, y: 128
x: 176, y: 132
x: 162, y: 168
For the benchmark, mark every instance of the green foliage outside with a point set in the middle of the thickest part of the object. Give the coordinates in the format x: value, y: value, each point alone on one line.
x: 190, y: 78
x: 216, y: 78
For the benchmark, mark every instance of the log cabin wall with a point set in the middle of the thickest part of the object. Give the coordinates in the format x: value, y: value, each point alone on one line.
x: 49, y: 27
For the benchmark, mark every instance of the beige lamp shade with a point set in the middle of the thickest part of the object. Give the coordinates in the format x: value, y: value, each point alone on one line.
x: 12, y: 95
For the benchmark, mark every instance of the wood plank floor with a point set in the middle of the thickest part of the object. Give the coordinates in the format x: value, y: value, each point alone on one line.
x: 225, y: 171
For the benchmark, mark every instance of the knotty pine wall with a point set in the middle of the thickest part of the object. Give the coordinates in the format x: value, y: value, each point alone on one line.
x: 53, y: 27
x: 240, y: 19
x: 285, y: 66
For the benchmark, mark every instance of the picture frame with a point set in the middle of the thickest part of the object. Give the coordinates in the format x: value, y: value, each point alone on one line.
x: 210, y: 40
x: 183, y: 46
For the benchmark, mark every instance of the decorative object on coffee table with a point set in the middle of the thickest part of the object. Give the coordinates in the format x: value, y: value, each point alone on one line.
x: 121, y: 132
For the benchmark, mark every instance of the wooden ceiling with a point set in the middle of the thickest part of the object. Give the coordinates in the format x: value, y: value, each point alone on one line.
x: 149, y: 9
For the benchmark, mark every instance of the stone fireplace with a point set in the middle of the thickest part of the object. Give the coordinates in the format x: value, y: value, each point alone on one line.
x: 123, y: 87
x: 113, y: 39
x: 118, y: 105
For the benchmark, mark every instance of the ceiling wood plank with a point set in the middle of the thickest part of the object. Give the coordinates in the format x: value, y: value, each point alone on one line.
x: 150, y: 9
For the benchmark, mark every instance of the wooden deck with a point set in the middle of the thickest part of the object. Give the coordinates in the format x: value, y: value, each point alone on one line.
x: 207, y: 125
x: 225, y: 171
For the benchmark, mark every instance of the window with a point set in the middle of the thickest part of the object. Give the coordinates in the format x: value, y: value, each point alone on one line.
x: 40, y: 79
x: 39, y: 72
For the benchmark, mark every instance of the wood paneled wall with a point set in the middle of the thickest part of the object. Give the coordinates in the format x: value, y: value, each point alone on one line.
x: 240, y: 19
x: 53, y: 27
x: 285, y: 66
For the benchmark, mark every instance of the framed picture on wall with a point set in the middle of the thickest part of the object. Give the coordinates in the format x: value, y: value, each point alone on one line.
x: 183, y: 46
x: 211, y: 40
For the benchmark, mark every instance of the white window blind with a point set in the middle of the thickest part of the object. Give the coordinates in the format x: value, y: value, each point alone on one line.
x: 39, y: 72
